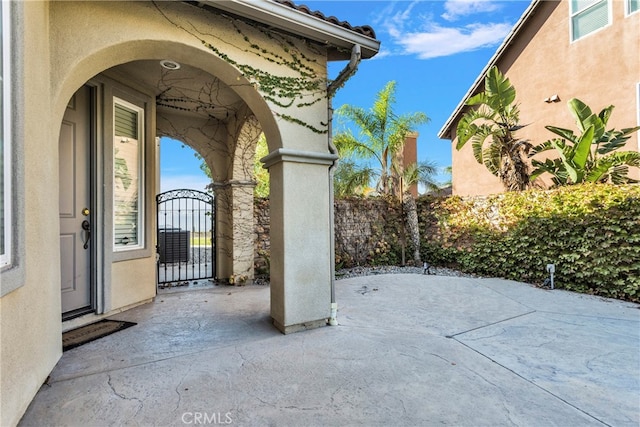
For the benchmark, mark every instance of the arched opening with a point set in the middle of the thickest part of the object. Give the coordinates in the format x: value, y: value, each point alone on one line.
x: 183, y: 174
x: 131, y: 72
x: 165, y: 98
x: 61, y: 48
x: 185, y: 219
x: 146, y: 54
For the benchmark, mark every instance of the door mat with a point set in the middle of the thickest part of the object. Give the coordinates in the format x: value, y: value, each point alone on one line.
x: 76, y: 337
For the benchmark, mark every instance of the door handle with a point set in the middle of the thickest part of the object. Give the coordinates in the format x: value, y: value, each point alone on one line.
x: 87, y: 233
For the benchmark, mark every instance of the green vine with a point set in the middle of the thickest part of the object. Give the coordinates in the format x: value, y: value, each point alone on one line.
x: 295, y: 64
x: 282, y: 91
x: 273, y: 87
x: 301, y: 123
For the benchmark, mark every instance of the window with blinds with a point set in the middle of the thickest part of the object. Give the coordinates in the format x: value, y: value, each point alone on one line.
x: 632, y: 6
x: 128, y: 167
x: 5, y: 138
x: 588, y: 16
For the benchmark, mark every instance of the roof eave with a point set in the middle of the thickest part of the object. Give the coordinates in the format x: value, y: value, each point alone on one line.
x: 296, y: 22
x: 444, y: 131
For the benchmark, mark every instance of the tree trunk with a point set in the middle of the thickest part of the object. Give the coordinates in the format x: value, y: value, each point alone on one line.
x: 514, y: 172
x: 411, y: 218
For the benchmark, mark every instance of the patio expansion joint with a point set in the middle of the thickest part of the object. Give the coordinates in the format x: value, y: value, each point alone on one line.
x: 566, y: 402
x: 491, y: 324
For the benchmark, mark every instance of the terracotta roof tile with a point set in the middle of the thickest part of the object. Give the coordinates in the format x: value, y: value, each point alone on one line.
x: 365, y: 30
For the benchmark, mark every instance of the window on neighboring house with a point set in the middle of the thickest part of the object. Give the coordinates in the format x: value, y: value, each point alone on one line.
x: 5, y: 141
x: 128, y: 176
x: 632, y: 6
x: 588, y: 16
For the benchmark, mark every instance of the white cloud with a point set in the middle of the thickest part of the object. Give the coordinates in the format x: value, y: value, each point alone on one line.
x: 414, y: 31
x: 459, y: 8
x: 444, y: 41
x: 394, y: 21
x: 383, y: 53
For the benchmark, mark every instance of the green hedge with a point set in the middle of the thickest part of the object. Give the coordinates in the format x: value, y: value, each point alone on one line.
x: 590, y: 232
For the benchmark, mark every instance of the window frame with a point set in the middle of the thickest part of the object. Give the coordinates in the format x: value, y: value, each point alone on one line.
x: 141, y: 113
x: 6, y: 257
x: 627, y: 8
x: 13, y: 276
x: 573, y: 14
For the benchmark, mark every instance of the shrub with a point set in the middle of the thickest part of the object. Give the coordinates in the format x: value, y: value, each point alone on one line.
x: 591, y: 232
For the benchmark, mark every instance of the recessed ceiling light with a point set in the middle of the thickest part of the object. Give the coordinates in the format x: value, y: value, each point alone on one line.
x: 170, y: 65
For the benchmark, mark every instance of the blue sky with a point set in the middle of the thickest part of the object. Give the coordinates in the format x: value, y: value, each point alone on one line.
x: 434, y: 50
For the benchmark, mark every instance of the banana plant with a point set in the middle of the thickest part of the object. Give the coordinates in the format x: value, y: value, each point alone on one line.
x: 491, y: 129
x: 590, y: 155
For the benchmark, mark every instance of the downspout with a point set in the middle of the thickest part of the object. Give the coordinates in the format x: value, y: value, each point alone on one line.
x: 348, y: 71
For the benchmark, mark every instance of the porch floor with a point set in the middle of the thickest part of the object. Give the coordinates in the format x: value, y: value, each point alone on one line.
x: 409, y: 350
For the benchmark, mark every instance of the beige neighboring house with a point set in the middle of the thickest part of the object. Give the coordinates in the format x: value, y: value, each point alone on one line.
x: 88, y: 86
x: 588, y: 50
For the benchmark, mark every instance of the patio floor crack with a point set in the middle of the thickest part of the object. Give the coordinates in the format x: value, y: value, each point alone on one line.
x: 123, y: 397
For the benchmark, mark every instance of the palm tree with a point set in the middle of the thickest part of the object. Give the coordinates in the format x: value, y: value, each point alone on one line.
x: 352, y: 179
x: 491, y: 129
x: 381, y: 140
x: 416, y: 173
x: 449, y: 171
x: 382, y: 137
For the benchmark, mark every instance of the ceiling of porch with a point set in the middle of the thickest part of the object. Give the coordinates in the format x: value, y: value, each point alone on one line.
x: 182, y: 91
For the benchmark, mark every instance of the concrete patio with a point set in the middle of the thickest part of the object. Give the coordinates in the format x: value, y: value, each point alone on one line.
x: 410, y: 350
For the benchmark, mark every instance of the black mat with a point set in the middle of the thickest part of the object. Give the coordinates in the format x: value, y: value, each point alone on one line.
x: 76, y: 337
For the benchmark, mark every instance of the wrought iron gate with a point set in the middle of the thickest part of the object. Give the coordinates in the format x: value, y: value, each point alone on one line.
x: 185, y: 240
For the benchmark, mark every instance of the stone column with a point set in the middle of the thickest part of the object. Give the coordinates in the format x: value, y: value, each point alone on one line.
x: 234, y: 231
x: 300, y: 238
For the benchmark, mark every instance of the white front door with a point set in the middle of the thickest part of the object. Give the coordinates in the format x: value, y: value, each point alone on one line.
x: 75, y: 205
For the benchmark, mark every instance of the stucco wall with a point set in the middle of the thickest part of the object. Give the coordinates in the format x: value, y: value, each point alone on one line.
x: 132, y: 281
x: 600, y: 69
x: 301, y: 255
x: 30, y: 327
x: 177, y: 30
x: 66, y: 44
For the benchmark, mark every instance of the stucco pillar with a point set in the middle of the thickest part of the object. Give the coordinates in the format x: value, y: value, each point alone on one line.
x: 300, y: 238
x: 234, y: 231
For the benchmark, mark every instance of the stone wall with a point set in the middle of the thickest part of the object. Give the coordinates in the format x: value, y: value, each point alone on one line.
x: 370, y: 231
x: 367, y: 231
x: 262, y: 244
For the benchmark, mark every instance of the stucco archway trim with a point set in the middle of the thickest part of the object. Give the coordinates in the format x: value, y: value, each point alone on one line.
x: 135, y: 50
